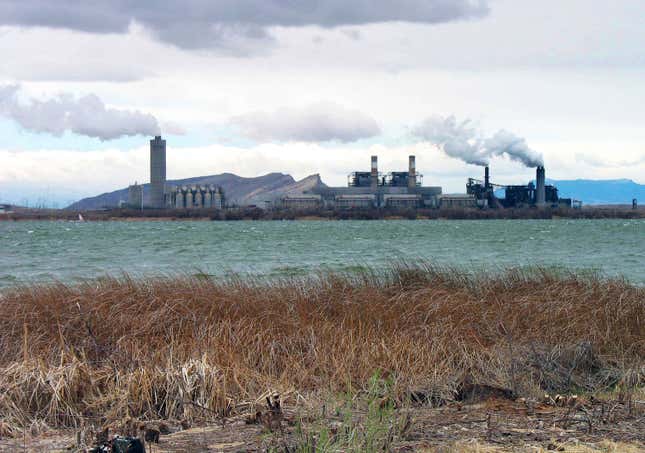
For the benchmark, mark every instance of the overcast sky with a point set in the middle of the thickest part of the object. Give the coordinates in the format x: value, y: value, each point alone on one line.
x: 316, y: 86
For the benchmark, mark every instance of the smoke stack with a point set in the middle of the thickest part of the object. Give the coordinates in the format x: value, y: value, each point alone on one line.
x: 486, y: 177
x: 374, y: 173
x: 412, y: 173
x: 540, y: 191
x: 157, y: 172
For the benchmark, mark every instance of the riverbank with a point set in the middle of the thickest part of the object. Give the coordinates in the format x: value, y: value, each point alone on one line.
x: 250, y: 213
x: 401, y: 358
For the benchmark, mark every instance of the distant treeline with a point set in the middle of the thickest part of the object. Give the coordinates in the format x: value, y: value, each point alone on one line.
x: 254, y: 213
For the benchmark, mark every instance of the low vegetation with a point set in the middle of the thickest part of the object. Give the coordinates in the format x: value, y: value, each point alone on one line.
x: 256, y: 213
x: 182, y: 348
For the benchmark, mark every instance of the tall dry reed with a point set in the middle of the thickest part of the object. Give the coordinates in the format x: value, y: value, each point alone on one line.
x: 169, y: 347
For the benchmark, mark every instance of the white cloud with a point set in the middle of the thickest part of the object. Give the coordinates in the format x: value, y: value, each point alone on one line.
x: 86, y: 115
x: 319, y: 122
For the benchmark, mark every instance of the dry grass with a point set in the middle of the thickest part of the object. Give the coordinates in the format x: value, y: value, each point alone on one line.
x: 477, y: 447
x: 168, y: 347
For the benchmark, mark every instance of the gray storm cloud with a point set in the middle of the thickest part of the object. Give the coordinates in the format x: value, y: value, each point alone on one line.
x: 316, y: 123
x: 208, y: 23
x: 462, y: 140
x: 86, y: 115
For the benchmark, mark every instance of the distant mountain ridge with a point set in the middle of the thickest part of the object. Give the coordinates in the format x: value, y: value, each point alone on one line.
x: 603, y: 191
x: 238, y: 190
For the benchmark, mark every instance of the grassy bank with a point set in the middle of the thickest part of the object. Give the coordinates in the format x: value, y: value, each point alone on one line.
x: 181, y: 348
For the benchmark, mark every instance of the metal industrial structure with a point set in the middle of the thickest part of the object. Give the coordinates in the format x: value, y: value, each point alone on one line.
x: 370, y: 189
x: 537, y: 194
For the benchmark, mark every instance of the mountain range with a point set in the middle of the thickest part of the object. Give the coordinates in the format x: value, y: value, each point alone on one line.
x: 604, y: 191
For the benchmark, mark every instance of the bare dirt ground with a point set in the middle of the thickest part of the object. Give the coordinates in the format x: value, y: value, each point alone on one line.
x: 496, y: 424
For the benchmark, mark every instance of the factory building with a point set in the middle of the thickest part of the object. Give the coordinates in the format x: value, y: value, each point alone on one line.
x: 516, y: 196
x: 371, y: 189
x: 301, y: 202
x: 135, y: 196
x: 457, y: 200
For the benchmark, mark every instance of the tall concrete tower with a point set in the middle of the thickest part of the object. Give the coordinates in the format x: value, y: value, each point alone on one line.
x: 157, y: 172
x: 412, y: 173
x: 540, y: 182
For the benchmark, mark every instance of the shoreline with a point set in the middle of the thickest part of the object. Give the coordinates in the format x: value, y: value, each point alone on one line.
x: 604, y: 212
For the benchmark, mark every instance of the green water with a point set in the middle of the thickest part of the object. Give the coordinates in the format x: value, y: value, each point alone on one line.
x: 68, y: 251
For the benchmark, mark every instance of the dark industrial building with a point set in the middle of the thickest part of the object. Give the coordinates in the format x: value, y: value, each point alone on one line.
x: 537, y: 194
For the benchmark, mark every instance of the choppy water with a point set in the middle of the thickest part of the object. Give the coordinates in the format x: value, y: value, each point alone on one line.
x: 67, y: 251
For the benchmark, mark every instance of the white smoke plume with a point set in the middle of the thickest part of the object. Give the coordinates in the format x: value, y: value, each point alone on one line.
x: 504, y: 143
x: 462, y: 140
x: 86, y: 115
x: 457, y: 139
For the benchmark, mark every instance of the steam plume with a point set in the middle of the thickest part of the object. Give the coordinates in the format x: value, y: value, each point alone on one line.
x: 463, y: 141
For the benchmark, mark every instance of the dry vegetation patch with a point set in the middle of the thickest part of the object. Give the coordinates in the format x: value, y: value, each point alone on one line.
x: 187, y: 349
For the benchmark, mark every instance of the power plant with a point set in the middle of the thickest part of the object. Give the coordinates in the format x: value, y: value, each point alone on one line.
x: 539, y: 194
x: 370, y: 189
x: 365, y: 190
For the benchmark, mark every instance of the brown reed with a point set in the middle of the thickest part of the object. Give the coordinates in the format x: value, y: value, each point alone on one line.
x: 168, y: 347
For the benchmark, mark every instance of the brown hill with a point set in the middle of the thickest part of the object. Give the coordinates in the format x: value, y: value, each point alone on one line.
x: 238, y: 190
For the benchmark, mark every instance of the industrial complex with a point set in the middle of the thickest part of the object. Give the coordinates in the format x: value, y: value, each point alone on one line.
x: 364, y: 190
x: 371, y: 189
x: 163, y: 196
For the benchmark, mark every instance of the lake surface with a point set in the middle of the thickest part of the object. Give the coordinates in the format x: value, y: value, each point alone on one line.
x: 69, y: 251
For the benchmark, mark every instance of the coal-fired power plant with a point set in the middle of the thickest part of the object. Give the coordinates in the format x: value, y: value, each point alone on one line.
x: 537, y: 194
x: 364, y: 190
x: 370, y: 190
